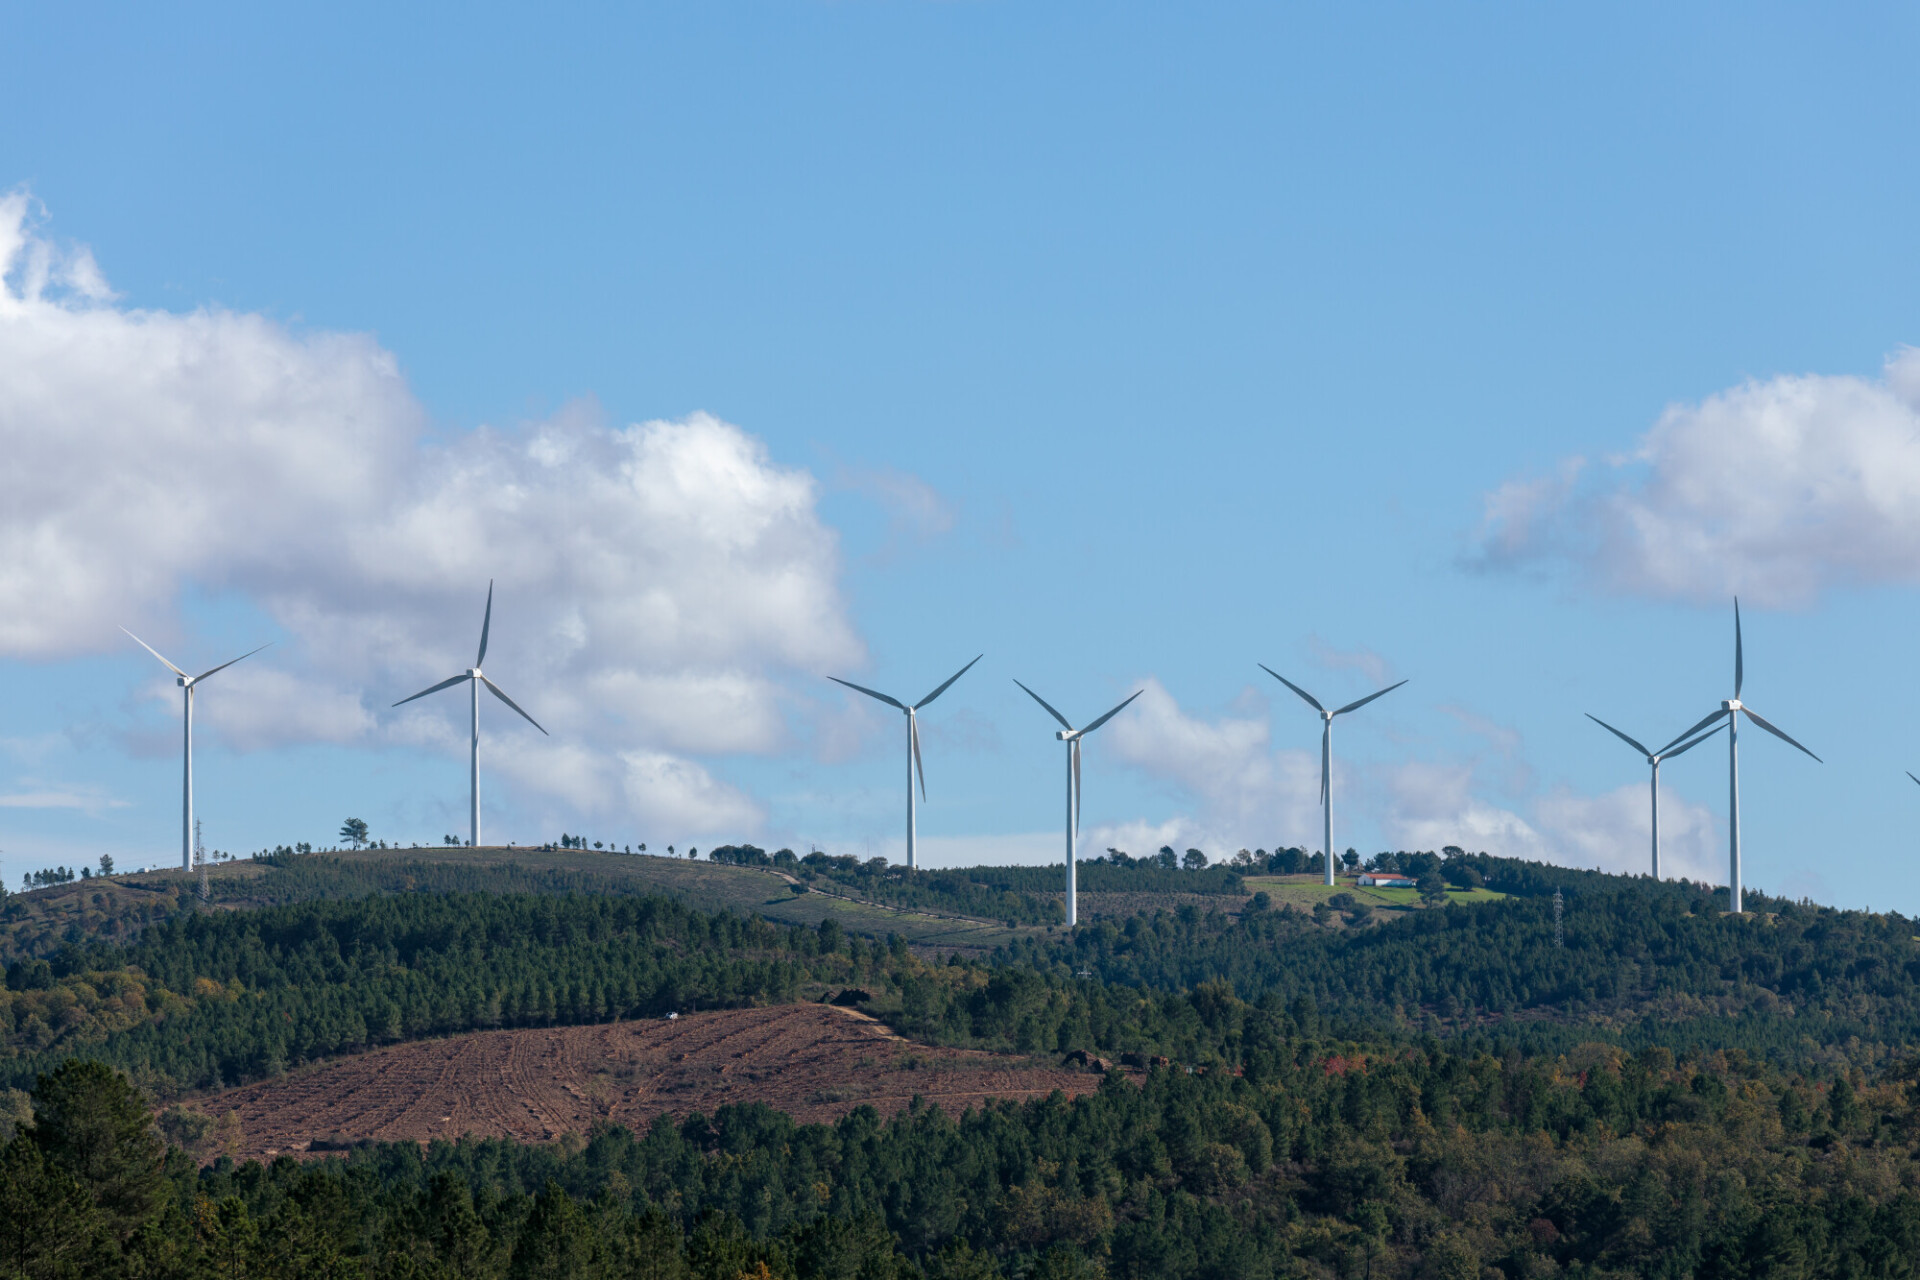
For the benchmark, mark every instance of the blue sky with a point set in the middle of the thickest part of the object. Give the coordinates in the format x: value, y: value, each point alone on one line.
x: 1132, y: 346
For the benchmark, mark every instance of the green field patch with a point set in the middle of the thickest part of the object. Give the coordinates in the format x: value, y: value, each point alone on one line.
x: 1306, y: 890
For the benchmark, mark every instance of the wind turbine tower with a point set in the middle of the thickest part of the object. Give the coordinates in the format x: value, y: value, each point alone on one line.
x: 1654, y: 759
x: 1731, y: 710
x: 1326, y: 750
x: 914, y: 764
x: 187, y: 685
x: 1072, y: 737
x: 475, y: 677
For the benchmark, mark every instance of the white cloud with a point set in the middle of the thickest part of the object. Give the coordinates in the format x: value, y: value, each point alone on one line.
x: 1242, y: 791
x: 1238, y: 792
x: 1373, y: 666
x: 915, y: 509
x: 1435, y: 805
x: 256, y: 706
x: 1612, y: 831
x: 87, y: 799
x: 682, y: 796
x: 657, y: 585
x: 1775, y: 489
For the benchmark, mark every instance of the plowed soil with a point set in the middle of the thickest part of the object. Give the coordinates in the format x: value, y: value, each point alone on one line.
x: 815, y: 1062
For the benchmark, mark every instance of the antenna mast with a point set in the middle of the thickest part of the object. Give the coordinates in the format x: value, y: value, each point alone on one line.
x: 200, y: 861
x: 1559, y: 933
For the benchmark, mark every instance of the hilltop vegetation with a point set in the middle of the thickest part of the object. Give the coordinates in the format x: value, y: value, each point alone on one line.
x: 210, y: 998
x: 973, y: 908
x: 1643, y: 963
x: 1673, y: 1091
x: 202, y: 998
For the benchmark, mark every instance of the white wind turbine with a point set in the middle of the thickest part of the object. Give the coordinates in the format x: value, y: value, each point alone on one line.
x: 1731, y: 710
x: 1072, y: 736
x: 474, y: 677
x: 1654, y: 759
x: 187, y: 684
x: 1326, y: 750
x: 913, y: 746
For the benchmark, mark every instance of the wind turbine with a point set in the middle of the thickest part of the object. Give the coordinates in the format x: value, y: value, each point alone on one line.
x: 476, y: 678
x: 913, y: 745
x: 1326, y: 749
x: 1654, y: 759
x: 1072, y: 736
x: 187, y: 683
x: 1731, y: 709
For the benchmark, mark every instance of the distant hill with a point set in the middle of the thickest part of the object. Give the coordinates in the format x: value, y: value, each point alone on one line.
x: 971, y: 909
x: 303, y: 958
x: 1309, y: 1083
x: 1641, y: 963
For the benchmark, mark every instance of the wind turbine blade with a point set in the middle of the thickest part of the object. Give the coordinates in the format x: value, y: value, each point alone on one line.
x: 1739, y: 660
x: 919, y: 768
x: 1616, y: 733
x: 486, y: 625
x: 510, y: 702
x: 223, y: 666
x: 1050, y: 711
x: 1075, y: 747
x: 1355, y: 706
x: 949, y: 684
x: 1692, y: 743
x: 1689, y: 733
x: 1776, y: 733
x: 156, y: 653
x: 444, y: 684
x: 871, y: 693
x: 1916, y: 781
x: 1110, y: 715
x: 1311, y: 700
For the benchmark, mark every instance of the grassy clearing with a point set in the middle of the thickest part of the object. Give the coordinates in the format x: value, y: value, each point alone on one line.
x: 1306, y: 890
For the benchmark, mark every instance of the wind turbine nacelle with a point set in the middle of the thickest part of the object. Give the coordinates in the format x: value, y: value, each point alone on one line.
x: 473, y: 672
x: 1732, y: 704
x: 1064, y: 736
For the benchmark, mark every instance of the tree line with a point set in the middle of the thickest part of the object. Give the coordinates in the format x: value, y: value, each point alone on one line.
x: 1324, y: 1157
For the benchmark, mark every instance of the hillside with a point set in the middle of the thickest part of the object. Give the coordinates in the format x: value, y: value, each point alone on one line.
x: 118, y: 907
x: 815, y: 1062
x: 1308, y: 1083
x: 970, y: 909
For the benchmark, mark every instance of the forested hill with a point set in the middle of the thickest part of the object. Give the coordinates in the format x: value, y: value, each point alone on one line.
x: 1428, y: 1092
x: 1634, y: 961
x: 205, y: 998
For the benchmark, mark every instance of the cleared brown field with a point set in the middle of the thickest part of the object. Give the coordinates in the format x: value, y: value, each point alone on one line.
x: 813, y: 1061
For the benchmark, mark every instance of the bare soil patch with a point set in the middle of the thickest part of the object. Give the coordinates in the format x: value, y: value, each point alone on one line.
x: 815, y: 1062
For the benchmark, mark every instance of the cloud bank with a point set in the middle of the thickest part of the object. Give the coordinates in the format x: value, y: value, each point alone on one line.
x: 657, y: 584
x: 1237, y: 791
x: 1776, y: 490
